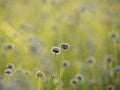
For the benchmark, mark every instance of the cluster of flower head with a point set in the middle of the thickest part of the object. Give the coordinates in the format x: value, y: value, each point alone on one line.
x: 56, y: 49
x: 9, y: 70
x: 77, y: 78
x: 115, y: 36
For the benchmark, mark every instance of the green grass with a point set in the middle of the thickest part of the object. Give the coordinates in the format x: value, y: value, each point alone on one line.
x: 34, y: 27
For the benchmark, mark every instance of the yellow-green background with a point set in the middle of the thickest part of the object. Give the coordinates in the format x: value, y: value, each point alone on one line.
x: 84, y: 24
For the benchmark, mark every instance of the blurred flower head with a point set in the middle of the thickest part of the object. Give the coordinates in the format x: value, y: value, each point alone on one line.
x: 1, y: 76
x: 9, y: 46
x: 10, y: 66
x: 74, y: 82
x: 90, y: 60
x: 117, y: 69
x: 54, y: 75
x: 109, y: 59
x: 66, y: 64
x: 110, y: 87
x: 118, y: 40
x: 113, y: 34
x: 8, y: 72
x: 64, y: 45
x: 55, y: 50
x: 39, y: 74
x: 79, y: 77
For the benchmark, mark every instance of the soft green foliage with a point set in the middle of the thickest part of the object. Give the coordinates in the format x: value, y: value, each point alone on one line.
x: 30, y: 28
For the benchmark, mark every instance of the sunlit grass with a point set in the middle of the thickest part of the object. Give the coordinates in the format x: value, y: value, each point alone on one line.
x: 29, y: 29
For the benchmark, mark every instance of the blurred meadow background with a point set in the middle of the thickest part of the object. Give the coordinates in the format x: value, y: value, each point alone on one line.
x: 30, y: 28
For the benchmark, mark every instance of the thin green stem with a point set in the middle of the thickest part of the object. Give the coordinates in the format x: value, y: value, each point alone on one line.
x: 115, y: 53
x: 50, y: 78
x: 38, y: 82
x: 61, y: 63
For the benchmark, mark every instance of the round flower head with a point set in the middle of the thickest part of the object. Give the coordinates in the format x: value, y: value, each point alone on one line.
x: 54, y: 76
x: 110, y: 87
x: 1, y: 76
x: 113, y: 34
x: 39, y: 74
x: 64, y: 45
x: 10, y: 66
x: 74, y: 82
x: 55, y: 50
x: 117, y: 69
x: 27, y: 73
x: 66, y: 64
x: 106, y: 72
x: 9, y: 46
x: 90, y: 60
x: 8, y: 72
x: 118, y: 40
x: 79, y: 77
x: 109, y: 59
